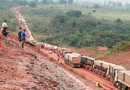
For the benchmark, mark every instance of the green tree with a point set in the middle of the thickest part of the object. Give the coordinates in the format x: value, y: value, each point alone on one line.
x: 45, y: 1
x: 122, y: 46
x: 119, y: 4
x: 96, y: 6
x: 75, y: 13
x: 127, y: 5
x: 33, y: 4
x: 94, y: 11
x: 70, y: 1
x: 62, y: 1
x: 119, y: 21
x: 50, y: 2
x: 36, y: 1
x: 111, y: 3
x: 59, y: 20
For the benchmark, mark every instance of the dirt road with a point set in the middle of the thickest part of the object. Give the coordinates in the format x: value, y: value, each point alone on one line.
x: 35, y: 72
x: 25, y: 69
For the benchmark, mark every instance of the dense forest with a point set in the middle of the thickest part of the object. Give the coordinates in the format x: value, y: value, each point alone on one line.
x: 78, y: 27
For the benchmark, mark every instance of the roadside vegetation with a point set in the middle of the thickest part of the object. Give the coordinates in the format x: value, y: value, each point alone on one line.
x: 6, y: 14
x: 78, y: 27
x: 121, y: 46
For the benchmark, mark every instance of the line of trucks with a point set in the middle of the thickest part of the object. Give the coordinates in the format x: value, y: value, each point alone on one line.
x: 114, y: 73
x: 117, y: 74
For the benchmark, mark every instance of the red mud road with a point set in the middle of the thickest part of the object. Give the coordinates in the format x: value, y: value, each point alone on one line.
x: 83, y: 73
x: 61, y: 78
x: 25, y: 69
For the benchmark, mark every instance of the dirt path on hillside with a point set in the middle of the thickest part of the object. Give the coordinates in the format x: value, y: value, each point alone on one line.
x: 25, y: 69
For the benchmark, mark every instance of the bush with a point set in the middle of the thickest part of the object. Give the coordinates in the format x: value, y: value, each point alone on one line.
x: 122, y: 46
x: 119, y: 21
x: 63, y: 27
x: 75, y: 13
x: 33, y: 4
x: 96, y: 6
x: 94, y: 11
x: 59, y: 19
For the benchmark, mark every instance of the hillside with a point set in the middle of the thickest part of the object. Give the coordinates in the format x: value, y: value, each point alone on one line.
x: 27, y: 69
x: 84, y: 31
x: 122, y: 58
x: 78, y: 27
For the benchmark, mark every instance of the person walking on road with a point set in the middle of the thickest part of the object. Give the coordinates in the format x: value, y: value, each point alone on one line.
x: 5, y: 29
x: 58, y: 55
x: 20, y: 34
x: 23, y: 37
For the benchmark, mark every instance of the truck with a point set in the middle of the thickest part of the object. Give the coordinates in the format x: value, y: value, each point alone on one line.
x: 72, y: 60
x: 87, y: 62
x: 124, y: 80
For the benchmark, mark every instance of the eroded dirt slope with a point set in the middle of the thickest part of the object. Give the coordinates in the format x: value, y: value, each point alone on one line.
x: 122, y: 58
x: 24, y: 69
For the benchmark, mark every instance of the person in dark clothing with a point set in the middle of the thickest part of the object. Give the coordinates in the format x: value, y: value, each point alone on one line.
x: 20, y: 34
x: 23, y: 37
x: 4, y: 32
x: 5, y: 27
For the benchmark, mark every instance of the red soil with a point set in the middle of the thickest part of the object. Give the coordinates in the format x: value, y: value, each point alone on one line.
x: 122, y: 58
x: 102, y: 48
x: 81, y: 72
x: 118, y: 58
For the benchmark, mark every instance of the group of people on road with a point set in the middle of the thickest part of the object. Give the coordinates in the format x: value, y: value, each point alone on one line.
x: 21, y: 33
x: 22, y: 36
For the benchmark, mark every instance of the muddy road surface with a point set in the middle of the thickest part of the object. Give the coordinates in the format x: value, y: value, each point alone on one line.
x: 25, y: 69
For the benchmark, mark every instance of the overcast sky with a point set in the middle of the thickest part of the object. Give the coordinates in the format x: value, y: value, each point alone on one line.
x: 98, y: 1
x: 124, y: 1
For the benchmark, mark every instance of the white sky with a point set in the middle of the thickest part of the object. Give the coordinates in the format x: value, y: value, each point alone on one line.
x: 96, y: 1
x: 125, y: 1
